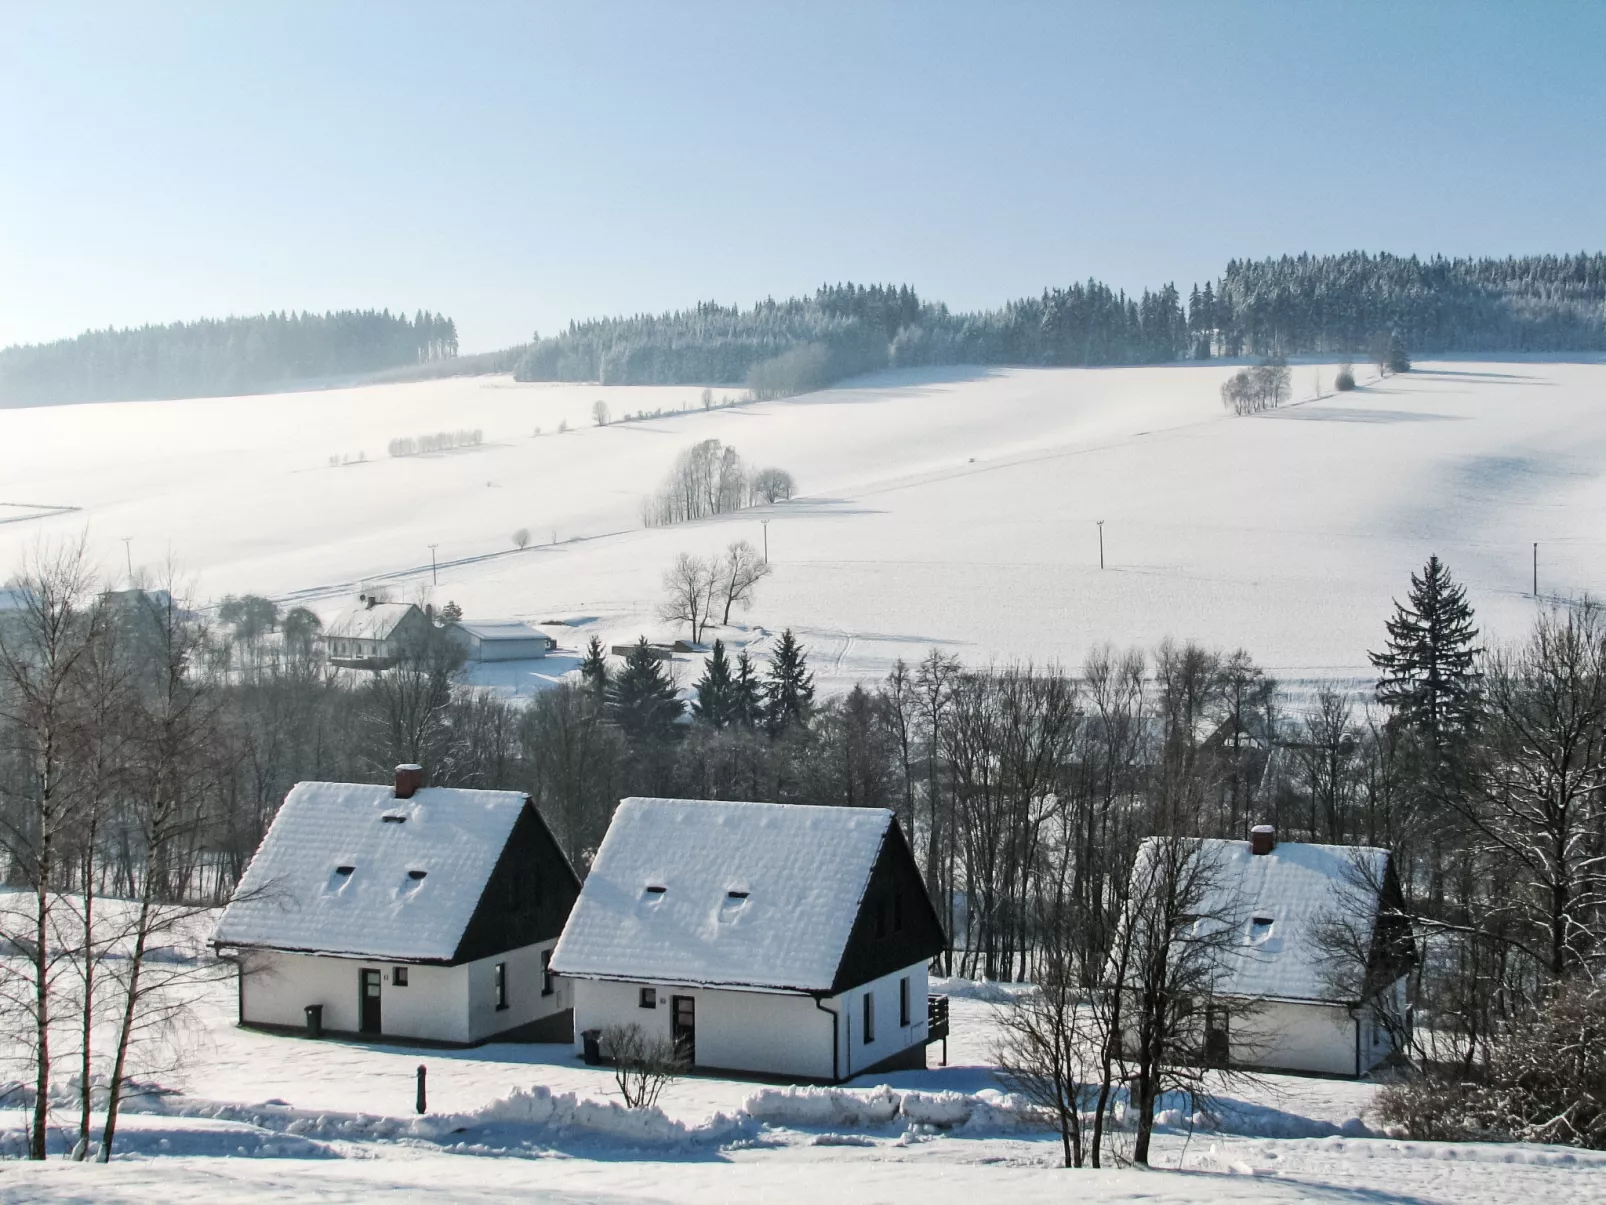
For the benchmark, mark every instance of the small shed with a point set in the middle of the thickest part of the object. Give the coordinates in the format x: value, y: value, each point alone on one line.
x: 500, y: 640
x: 403, y: 912
x: 776, y: 939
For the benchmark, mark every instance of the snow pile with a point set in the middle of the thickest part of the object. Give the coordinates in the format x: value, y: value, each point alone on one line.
x: 844, y: 1108
x: 989, y: 991
x: 569, y: 1114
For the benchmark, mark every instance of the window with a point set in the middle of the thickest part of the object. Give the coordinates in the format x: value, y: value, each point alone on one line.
x: 903, y: 1001
x: 398, y: 977
x: 392, y: 818
x: 1259, y: 928
x: 735, y: 896
x: 417, y: 875
x: 869, y: 1017
x: 501, y: 986
x: 649, y: 997
x: 546, y: 973
x: 344, y: 869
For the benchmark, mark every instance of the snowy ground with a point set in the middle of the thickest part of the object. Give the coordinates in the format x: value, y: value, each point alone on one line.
x: 274, y: 1119
x: 944, y: 507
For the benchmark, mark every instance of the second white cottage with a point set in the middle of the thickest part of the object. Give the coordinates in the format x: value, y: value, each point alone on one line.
x: 771, y: 939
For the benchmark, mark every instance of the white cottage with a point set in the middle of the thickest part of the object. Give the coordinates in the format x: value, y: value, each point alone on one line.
x: 772, y: 939
x: 415, y: 912
x: 374, y: 634
x: 1297, y: 1003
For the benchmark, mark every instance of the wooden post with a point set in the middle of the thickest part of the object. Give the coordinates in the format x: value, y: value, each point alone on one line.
x: 419, y: 1105
x: 1101, y: 542
x: 1536, y: 568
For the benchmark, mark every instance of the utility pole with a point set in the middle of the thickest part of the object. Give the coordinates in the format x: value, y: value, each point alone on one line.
x: 765, y: 523
x: 434, y: 575
x: 128, y: 555
x: 1100, y: 522
x: 1536, y: 568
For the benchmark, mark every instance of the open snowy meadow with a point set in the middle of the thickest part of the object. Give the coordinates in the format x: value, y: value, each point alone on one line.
x: 946, y: 508
x: 251, y: 1116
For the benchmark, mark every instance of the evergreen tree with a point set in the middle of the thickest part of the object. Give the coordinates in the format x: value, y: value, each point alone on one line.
x: 1427, y: 675
x: 747, y: 693
x: 789, y: 693
x: 594, y: 667
x: 716, y: 702
x: 641, y: 700
x: 1398, y: 361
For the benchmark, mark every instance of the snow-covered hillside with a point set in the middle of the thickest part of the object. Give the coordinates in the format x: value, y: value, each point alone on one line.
x: 954, y: 508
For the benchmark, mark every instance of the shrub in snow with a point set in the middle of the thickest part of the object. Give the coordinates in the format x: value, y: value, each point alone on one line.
x: 1345, y: 380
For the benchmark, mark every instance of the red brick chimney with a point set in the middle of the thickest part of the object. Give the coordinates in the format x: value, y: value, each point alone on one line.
x: 408, y: 779
x: 1262, y: 838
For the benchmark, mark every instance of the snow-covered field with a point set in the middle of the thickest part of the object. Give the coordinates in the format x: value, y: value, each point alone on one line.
x: 271, y: 1118
x: 943, y: 507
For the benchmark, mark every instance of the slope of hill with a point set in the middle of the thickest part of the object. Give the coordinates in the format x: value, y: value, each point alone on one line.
x: 954, y: 508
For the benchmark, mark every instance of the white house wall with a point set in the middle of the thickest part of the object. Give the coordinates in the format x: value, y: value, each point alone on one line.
x: 1285, y: 1036
x: 770, y: 1033
x: 441, y: 1004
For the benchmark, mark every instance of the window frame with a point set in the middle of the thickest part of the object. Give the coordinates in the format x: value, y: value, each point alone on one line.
x: 869, y: 1018
x: 499, y: 980
x: 904, y: 994
x: 647, y: 997
x: 398, y: 976
x: 548, y: 986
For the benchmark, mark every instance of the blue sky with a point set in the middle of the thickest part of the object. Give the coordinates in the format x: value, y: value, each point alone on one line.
x: 519, y: 165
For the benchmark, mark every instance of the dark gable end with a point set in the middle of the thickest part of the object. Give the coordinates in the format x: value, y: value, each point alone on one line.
x: 528, y: 897
x: 878, y: 943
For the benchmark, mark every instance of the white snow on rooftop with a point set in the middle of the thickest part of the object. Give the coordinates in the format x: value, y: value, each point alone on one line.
x: 804, y: 870
x: 365, y: 622
x: 296, y: 895
x: 500, y: 629
x: 1299, y: 888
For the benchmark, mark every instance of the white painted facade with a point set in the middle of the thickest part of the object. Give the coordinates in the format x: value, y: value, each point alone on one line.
x: 1318, y: 1038
x: 501, y: 641
x: 438, y: 1003
x: 767, y: 1032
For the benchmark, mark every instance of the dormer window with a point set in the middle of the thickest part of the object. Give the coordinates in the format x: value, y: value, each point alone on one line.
x: 654, y: 889
x: 1259, y: 928
x: 735, y: 896
x: 344, y: 870
x: 416, y: 875
x: 392, y: 818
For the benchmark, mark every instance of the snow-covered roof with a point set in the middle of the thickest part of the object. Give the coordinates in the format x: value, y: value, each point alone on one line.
x: 365, y: 622
x: 500, y: 629
x: 756, y: 895
x: 335, y: 876
x: 1300, y: 889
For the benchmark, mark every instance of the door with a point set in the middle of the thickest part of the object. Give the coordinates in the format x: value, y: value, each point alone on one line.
x: 1218, y: 1043
x: 368, y: 1021
x: 683, y: 1027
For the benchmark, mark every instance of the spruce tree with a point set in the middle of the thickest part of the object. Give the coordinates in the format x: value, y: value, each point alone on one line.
x: 641, y: 700
x: 594, y: 668
x: 747, y: 693
x: 716, y: 702
x: 1398, y: 360
x: 789, y: 693
x: 1428, y: 674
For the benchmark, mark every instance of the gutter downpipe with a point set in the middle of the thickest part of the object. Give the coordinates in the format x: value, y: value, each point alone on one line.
x: 835, y: 1019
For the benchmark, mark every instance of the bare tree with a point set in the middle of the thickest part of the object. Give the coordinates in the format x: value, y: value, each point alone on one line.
x: 773, y: 485
x: 42, y: 648
x: 643, y: 1066
x: 738, y: 574
x: 521, y: 537
x: 600, y: 414
x: 1048, y: 1042
x: 690, y: 584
